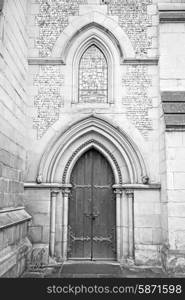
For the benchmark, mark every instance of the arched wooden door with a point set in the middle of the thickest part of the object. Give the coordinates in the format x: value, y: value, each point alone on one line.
x: 92, y: 210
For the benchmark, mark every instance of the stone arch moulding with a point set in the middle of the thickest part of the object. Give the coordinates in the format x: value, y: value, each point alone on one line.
x: 64, y: 150
x: 103, y: 23
x: 82, y: 149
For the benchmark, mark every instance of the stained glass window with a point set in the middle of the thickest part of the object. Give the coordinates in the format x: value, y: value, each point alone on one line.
x: 93, y: 76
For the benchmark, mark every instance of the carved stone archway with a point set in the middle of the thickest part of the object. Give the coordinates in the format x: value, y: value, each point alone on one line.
x: 90, y: 20
x: 114, y: 143
x: 124, y: 158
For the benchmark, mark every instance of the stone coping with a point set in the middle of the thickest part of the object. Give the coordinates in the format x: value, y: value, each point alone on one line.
x: 8, y: 209
x: 13, y: 217
x: 34, y: 185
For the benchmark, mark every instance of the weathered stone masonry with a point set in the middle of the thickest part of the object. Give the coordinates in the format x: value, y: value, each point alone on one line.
x: 52, y: 19
x: 137, y: 102
x: 49, y: 100
x: 14, y: 244
x: 135, y: 21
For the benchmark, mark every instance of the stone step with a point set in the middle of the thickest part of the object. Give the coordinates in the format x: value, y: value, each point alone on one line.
x: 96, y: 270
x: 91, y: 268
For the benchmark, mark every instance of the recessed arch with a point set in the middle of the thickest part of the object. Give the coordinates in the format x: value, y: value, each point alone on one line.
x: 115, y: 145
x: 84, y: 148
x: 104, y: 24
x: 98, y: 39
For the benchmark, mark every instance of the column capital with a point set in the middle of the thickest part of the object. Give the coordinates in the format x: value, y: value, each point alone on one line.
x: 55, y: 191
x: 66, y: 191
x: 118, y: 191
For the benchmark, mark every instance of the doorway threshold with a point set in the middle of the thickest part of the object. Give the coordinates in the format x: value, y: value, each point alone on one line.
x: 88, y: 268
x: 88, y: 261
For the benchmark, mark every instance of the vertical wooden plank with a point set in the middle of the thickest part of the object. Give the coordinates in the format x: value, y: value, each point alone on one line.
x: 92, y: 209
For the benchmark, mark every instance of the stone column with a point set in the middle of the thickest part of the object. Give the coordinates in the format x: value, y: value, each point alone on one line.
x: 54, y: 194
x: 130, y: 196
x: 66, y: 192
x: 118, y: 193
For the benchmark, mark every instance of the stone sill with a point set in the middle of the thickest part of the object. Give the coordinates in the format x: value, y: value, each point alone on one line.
x: 12, y: 217
x: 134, y: 186
x: 141, y: 61
x: 33, y: 185
x: 32, y: 61
x: 96, y: 105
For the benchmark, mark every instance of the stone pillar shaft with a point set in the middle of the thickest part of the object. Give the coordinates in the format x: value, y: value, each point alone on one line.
x: 118, y: 193
x: 66, y: 192
x: 130, y: 196
x: 53, y: 222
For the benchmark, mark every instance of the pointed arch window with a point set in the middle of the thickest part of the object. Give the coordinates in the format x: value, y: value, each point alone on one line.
x: 93, y: 76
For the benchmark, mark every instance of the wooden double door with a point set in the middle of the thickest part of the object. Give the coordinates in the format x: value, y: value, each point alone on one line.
x: 92, y: 210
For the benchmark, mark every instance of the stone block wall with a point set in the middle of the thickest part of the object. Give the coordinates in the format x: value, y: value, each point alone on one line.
x: 13, y: 135
x: 148, y: 229
x: 172, y: 82
x: 38, y: 205
x: 175, y: 172
x: 172, y: 61
x: 138, y: 19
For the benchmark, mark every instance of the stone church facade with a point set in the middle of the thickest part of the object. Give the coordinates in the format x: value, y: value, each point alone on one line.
x: 92, y: 132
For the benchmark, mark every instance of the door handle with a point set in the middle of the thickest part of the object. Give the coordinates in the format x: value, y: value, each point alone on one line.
x: 94, y: 216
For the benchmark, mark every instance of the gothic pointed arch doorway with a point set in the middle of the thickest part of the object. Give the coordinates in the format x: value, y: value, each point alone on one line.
x: 92, y: 209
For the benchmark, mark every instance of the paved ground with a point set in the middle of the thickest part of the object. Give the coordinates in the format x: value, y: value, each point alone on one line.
x: 96, y: 270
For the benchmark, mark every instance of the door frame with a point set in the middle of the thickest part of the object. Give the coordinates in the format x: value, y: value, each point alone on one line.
x: 123, y: 195
x: 121, y: 198
x: 62, y: 152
